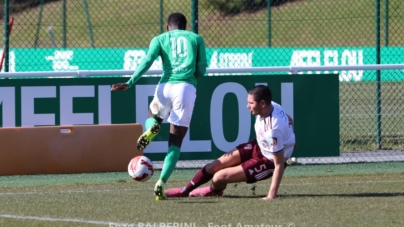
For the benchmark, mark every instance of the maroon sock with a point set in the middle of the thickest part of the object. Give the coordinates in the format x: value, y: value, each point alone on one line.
x: 199, y: 179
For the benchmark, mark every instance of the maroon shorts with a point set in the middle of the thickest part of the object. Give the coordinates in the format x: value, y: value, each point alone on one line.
x: 256, y: 167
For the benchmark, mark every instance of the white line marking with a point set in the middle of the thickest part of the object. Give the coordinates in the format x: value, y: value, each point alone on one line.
x: 74, y: 191
x: 64, y: 220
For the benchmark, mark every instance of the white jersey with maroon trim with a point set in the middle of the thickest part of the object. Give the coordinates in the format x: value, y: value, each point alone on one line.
x: 274, y: 133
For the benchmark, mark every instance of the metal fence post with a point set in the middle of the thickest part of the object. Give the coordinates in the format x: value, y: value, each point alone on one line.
x: 38, y: 24
x: 194, y: 17
x: 386, y: 23
x: 64, y: 23
x: 6, y: 35
x: 269, y: 22
x: 161, y: 9
x: 90, y: 30
x: 378, y: 91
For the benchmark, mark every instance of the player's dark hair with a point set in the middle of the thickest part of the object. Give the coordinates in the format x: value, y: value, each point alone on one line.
x: 261, y: 92
x: 178, y: 19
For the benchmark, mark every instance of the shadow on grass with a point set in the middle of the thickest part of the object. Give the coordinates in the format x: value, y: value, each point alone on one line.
x: 243, y: 196
x: 285, y: 196
x: 376, y: 194
x: 203, y: 199
x: 197, y: 201
x: 384, y: 194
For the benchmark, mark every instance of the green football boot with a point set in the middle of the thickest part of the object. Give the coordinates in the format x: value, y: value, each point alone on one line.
x: 159, y: 191
x: 145, y: 139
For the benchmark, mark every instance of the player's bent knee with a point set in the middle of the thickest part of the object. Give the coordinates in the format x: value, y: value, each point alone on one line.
x: 220, y: 177
x: 216, y: 179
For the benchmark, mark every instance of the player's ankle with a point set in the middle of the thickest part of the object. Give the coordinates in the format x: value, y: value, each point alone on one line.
x: 185, y: 191
x: 216, y: 189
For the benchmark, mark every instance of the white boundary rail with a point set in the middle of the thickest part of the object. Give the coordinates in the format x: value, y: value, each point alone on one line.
x: 290, y: 69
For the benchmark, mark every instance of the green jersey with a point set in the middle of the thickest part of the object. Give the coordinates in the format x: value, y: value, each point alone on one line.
x: 182, y: 53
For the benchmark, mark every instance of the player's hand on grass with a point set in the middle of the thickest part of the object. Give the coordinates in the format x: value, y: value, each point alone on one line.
x: 268, y: 198
x: 119, y: 87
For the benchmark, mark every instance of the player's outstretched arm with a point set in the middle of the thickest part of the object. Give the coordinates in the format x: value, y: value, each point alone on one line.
x: 119, y: 87
x: 147, y: 61
x: 279, y: 162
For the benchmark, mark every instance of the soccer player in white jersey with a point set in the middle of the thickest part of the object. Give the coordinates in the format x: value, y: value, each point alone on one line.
x: 257, y: 160
x: 184, y: 61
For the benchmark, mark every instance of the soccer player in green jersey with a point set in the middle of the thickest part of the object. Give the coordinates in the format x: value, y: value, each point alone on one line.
x: 184, y: 61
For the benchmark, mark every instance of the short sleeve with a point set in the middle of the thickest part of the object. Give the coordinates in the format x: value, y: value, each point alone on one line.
x: 273, y: 141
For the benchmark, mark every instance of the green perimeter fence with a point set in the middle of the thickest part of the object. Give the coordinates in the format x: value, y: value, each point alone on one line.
x: 61, y: 35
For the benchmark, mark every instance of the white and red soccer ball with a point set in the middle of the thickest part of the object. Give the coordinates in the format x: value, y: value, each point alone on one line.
x: 140, y: 168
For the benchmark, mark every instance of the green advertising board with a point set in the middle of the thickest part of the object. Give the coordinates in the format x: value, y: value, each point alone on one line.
x: 49, y: 59
x: 221, y: 120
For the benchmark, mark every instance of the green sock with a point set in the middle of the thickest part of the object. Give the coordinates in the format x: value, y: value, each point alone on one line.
x: 149, y: 122
x: 172, y: 156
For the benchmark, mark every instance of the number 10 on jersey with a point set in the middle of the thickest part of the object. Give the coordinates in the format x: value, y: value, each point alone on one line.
x: 179, y: 47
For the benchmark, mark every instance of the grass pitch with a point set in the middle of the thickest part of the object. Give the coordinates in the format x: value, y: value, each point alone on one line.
x: 365, y: 194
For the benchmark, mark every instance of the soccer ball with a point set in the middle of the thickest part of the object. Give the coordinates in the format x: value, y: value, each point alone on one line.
x: 140, y: 168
